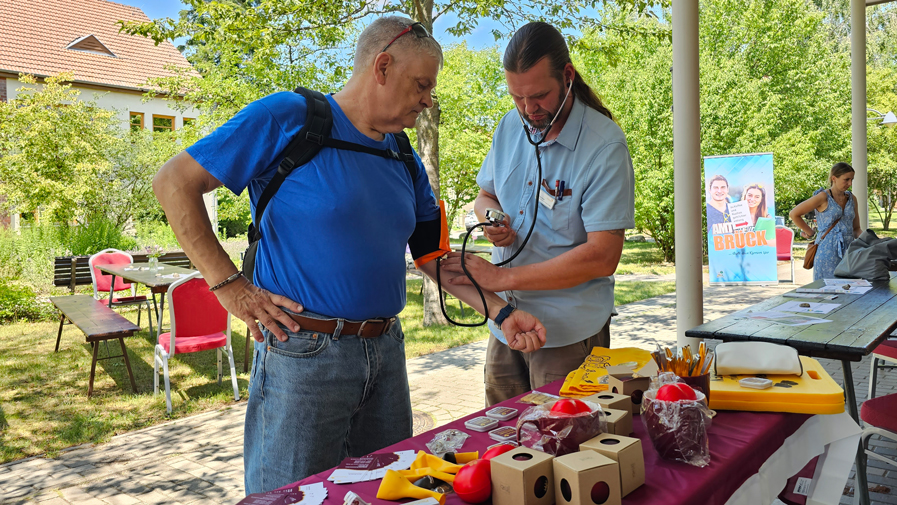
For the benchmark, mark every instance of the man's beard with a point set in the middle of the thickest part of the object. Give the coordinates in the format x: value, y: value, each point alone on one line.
x: 549, y: 115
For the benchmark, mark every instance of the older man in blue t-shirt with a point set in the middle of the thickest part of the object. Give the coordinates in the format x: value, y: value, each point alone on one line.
x: 585, y: 198
x: 328, y: 375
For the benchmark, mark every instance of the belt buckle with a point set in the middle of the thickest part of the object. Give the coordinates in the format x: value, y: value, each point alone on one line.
x: 388, y: 322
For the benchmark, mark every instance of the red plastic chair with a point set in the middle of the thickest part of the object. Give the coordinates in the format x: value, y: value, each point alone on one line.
x: 784, y: 242
x: 102, y: 282
x: 879, y: 416
x: 886, y: 351
x: 198, y: 323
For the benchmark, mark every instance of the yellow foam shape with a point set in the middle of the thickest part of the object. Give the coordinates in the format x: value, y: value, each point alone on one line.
x: 428, y: 460
x: 585, y: 380
x: 395, y: 487
x: 466, y: 457
x: 813, y: 392
x: 413, y: 475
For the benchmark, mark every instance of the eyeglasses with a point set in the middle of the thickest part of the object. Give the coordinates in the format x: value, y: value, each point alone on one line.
x: 416, y: 28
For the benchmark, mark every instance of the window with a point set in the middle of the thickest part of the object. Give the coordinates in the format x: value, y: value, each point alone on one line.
x: 188, y: 121
x: 163, y: 123
x: 90, y: 44
x: 136, y: 121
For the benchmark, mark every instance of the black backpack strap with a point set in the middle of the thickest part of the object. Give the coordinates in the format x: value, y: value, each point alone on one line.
x: 407, y: 153
x: 314, y: 135
x: 304, y: 146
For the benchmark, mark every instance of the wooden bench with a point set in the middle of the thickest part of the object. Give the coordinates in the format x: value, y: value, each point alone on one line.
x: 73, y: 271
x: 98, y: 323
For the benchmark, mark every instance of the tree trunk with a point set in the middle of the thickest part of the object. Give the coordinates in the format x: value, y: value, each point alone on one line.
x: 428, y: 148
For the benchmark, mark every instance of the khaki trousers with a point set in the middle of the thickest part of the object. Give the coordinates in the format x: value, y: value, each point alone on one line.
x: 509, y: 373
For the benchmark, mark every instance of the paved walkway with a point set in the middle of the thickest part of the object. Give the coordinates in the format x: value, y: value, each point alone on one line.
x: 199, y: 459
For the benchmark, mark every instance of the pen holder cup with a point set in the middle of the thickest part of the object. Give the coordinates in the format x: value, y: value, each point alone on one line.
x: 700, y: 383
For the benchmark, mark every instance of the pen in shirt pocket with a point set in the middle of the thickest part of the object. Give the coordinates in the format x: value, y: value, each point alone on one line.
x: 561, y: 193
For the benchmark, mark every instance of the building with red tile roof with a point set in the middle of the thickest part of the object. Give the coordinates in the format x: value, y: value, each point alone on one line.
x: 47, y: 37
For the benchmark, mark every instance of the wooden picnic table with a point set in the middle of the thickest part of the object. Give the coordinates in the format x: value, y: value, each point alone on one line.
x: 99, y: 324
x: 857, y: 327
x: 157, y: 281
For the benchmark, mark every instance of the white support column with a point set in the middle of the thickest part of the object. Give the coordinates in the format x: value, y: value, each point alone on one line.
x: 687, y: 168
x: 211, y: 202
x: 858, y: 107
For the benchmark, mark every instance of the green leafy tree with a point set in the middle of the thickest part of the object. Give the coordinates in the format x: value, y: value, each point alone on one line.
x: 780, y: 84
x: 473, y: 97
x: 56, y: 149
x: 233, y: 213
x: 771, y: 81
x: 247, y: 49
x: 134, y: 162
x: 632, y: 76
x: 882, y: 144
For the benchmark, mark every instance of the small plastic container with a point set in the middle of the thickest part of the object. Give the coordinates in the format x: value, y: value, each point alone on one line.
x: 502, y: 413
x: 504, y: 434
x: 481, y: 423
x: 509, y: 442
x: 755, y: 383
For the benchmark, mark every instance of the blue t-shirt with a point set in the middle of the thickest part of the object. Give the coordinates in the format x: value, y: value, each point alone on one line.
x: 334, y: 234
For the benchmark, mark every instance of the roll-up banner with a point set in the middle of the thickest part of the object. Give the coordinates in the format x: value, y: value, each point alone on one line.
x: 741, y: 235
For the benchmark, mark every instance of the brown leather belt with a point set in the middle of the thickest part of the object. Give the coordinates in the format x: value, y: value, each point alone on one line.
x: 364, y: 329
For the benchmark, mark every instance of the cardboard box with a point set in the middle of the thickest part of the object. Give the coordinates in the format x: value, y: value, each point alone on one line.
x: 627, y: 452
x: 619, y: 422
x: 522, y: 477
x: 610, y: 400
x: 586, y: 478
x: 633, y: 387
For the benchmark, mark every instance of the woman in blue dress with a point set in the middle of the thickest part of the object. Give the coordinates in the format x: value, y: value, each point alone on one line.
x: 831, y: 205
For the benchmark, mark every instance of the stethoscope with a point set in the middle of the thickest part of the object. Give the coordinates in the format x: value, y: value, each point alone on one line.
x: 495, y: 217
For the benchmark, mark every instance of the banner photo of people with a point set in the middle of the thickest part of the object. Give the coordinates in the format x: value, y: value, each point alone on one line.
x: 741, y: 234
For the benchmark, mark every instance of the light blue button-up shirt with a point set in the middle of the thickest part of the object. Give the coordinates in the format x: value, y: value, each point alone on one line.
x: 590, y: 154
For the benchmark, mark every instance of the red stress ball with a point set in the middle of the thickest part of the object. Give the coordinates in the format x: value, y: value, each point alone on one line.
x: 498, y: 450
x: 675, y: 392
x: 569, y: 407
x: 473, y: 482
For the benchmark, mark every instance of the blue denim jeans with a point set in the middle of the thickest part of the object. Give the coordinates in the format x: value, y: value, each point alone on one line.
x: 318, y: 398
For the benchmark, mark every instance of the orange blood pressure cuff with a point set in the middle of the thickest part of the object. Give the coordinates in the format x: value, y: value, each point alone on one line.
x: 430, y: 239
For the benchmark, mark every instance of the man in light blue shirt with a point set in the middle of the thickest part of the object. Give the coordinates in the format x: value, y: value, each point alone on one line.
x: 585, y: 199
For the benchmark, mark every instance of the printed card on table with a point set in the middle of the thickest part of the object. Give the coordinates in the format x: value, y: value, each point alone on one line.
x: 312, y: 494
x: 370, y: 467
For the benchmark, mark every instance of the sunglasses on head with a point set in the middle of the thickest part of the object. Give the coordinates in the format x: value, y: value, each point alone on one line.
x: 416, y: 28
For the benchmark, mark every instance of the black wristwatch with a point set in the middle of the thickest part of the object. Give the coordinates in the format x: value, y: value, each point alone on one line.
x: 503, y: 314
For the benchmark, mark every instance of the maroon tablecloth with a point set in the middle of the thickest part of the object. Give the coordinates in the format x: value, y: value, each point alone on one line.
x: 739, y: 444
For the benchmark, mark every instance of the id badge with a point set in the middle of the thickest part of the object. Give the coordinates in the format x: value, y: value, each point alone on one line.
x: 546, y: 199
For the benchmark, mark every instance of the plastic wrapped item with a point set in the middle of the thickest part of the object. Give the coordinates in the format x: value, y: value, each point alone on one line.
x: 557, y: 433
x: 447, y: 441
x: 678, y: 429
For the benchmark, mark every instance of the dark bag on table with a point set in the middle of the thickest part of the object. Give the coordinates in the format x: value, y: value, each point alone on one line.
x: 315, y: 135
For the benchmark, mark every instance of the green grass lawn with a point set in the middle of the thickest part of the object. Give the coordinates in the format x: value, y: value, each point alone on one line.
x: 43, y: 395
x: 643, y: 258
x: 420, y: 339
x: 633, y: 291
